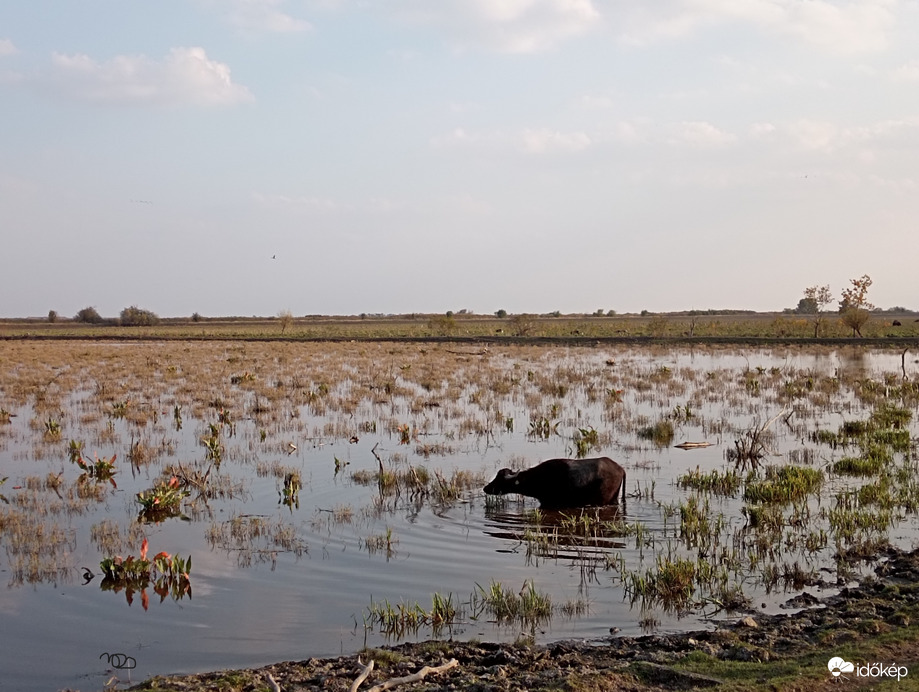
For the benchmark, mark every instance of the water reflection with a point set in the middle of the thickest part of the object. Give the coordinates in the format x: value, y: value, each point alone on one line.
x: 574, y: 534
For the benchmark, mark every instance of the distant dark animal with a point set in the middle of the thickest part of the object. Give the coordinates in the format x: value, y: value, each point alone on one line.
x: 895, y: 323
x: 561, y: 483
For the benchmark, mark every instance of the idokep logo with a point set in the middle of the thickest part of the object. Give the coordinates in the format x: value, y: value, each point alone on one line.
x: 839, y: 666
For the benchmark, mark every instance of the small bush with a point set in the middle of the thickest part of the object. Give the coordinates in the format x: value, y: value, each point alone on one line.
x: 443, y: 325
x: 89, y: 316
x: 135, y: 317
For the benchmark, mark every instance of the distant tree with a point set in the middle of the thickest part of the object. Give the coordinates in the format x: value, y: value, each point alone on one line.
x: 286, y: 319
x: 89, y: 316
x: 136, y: 317
x: 522, y: 324
x: 52, y: 316
x: 806, y: 306
x: 599, y: 312
x: 501, y: 313
x: 815, y: 299
x: 854, y: 308
x: 443, y: 325
x: 610, y: 313
x: 196, y: 317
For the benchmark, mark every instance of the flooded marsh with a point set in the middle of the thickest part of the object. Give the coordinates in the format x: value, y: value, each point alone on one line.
x: 328, y: 496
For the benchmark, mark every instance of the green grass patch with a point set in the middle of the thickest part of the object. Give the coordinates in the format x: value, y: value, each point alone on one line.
x: 783, y: 484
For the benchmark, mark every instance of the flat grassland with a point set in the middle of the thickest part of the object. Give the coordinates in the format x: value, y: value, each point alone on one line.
x: 461, y: 327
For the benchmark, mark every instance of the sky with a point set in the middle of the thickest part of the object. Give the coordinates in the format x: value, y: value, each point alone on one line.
x: 252, y: 157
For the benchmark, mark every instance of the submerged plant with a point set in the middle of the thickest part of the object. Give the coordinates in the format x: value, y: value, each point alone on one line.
x: 661, y: 433
x: 290, y: 493
x: 585, y: 439
x: 163, y: 500
x: 783, y: 484
x: 167, y: 574
x: 529, y: 606
x: 52, y: 427
x: 542, y: 428
x: 75, y: 450
x: 726, y: 483
x: 99, y: 469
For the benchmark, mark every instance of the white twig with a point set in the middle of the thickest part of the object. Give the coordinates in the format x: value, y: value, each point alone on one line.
x: 416, y: 677
x: 275, y: 687
x: 363, y: 676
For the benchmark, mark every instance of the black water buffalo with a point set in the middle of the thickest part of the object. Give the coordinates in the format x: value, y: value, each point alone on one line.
x: 561, y: 483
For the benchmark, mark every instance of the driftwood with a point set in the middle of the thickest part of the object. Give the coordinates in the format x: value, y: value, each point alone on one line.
x: 415, y: 677
x: 363, y: 676
x: 693, y: 445
x: 275, y: 687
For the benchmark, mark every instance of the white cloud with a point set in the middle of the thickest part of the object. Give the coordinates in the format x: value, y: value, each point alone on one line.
x: 761, y: 130
x: 698, y: 134
x: 908, y: 72
x: 264, y: 16
x: 856, y: 26
x: 7, y: 47
x: 812, y: 134
x: 528, y: 140
x: 511, y: 26
x: 865, y: 141
x: 456, y: 137
x: 300, y: 203
x: 544, y: 140
x: 186, y: 76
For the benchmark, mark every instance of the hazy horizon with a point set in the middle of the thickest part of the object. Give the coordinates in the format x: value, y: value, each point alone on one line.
x: 463, y: 312
x: 334, y: 157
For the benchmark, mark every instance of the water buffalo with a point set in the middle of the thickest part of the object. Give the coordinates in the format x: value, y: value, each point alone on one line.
x: 562, y: 483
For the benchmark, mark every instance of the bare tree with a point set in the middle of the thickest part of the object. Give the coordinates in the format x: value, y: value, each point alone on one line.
x: 285, y: 319
x: 854, y: 308
x: 816, y: 298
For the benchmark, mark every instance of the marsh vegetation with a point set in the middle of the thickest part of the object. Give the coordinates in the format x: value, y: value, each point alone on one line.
x: 333, y: 491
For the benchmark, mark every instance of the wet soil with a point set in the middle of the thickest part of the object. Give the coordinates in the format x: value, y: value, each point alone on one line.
x: 876, y: 621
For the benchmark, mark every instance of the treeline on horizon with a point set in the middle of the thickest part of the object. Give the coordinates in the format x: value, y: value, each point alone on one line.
x: 134, y: 316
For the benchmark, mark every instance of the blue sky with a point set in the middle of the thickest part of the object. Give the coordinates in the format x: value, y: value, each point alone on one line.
x: 246, y: 157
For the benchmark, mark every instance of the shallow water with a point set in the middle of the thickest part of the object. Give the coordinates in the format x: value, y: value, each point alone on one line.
x: 252, y: 607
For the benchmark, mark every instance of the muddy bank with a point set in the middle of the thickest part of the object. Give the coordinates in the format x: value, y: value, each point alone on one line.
x: 873, y: 622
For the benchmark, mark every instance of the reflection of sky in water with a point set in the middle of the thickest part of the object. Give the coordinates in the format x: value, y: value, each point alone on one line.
x: 314, y: 605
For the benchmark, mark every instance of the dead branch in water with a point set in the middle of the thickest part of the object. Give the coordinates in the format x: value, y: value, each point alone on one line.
x: 692, y: 445
x: 751, y: 447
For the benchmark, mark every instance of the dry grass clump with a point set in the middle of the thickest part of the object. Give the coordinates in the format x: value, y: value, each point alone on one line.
x: 39, y: 550
x: 255, y: 538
